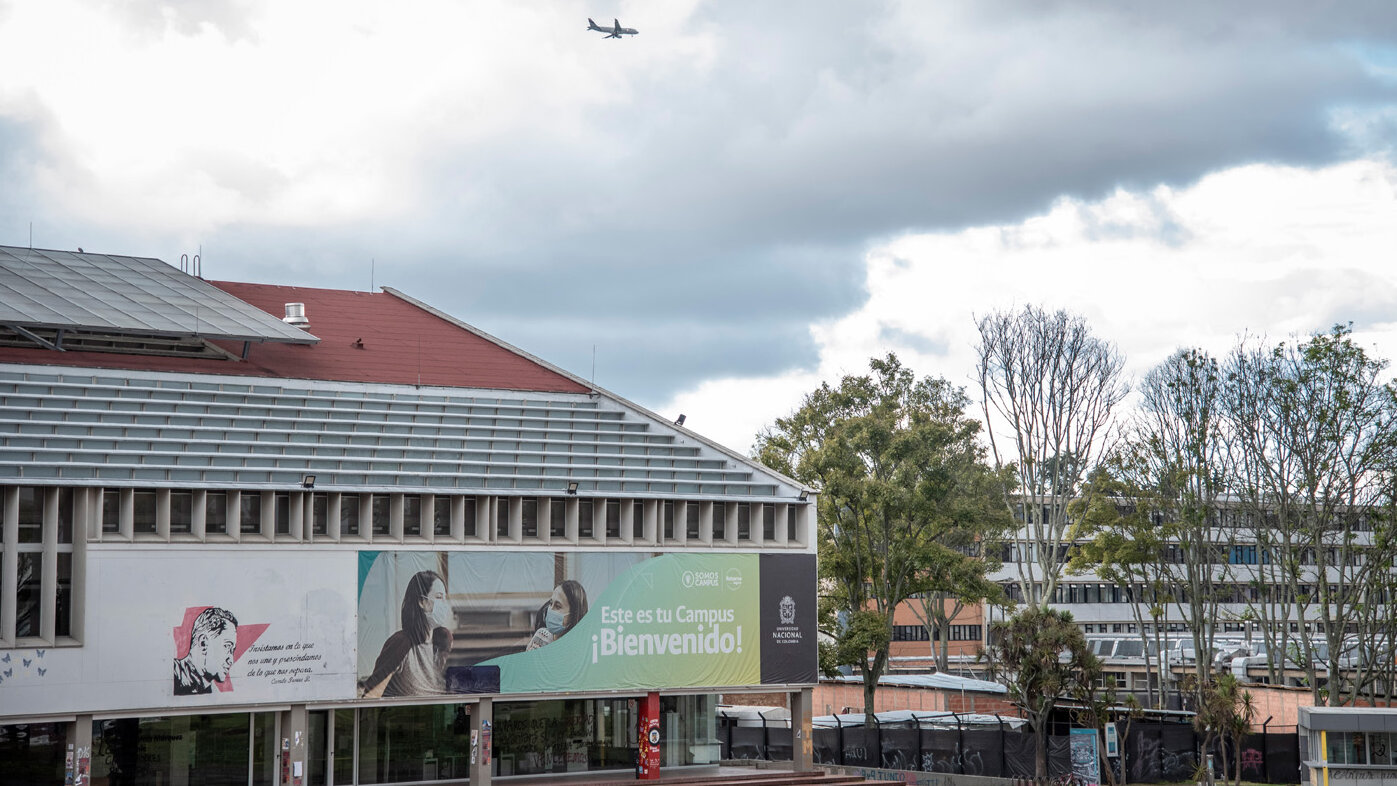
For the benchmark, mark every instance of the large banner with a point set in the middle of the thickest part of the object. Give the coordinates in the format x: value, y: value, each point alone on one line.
x: 527, y: 622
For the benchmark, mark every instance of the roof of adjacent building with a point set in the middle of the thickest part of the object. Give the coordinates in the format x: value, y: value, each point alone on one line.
x: 120, y: 295
x: 362, y: 336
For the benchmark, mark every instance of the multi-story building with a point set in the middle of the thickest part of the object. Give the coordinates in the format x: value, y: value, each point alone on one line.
x: 360, y: 543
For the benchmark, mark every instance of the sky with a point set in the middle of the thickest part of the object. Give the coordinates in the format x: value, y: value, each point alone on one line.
x: 744, y: 200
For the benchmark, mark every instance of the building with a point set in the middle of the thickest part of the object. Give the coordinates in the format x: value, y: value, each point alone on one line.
x: 1341, y: 745
x: 360, y: 543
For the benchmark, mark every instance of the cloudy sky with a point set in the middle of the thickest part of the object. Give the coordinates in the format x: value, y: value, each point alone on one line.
x: 746, y: 198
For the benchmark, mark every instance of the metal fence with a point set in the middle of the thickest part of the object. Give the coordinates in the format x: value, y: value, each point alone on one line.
x: 1152, y: 752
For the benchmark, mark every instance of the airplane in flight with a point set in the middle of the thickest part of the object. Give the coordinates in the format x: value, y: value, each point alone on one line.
x: 615, y: 32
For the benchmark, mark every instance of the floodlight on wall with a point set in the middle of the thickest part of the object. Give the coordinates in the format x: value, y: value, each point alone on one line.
x: 804, y: 494
x: 680, y: 421
x: 308, y: 482
x: 572, y: 487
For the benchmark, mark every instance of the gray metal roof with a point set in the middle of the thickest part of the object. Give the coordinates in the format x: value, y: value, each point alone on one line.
x: 137, y: 428
x: 58, y: 290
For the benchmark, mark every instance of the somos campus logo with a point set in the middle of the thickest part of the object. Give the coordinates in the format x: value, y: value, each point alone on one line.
x: 700, y: 578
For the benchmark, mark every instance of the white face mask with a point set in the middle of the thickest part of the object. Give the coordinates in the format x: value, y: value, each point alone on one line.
x: 441, y: 614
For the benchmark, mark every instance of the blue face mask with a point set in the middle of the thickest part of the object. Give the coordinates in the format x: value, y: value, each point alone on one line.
x: 555, y: 621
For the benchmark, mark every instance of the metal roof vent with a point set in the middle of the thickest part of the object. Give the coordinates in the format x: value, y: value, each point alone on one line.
x: 296, y: 315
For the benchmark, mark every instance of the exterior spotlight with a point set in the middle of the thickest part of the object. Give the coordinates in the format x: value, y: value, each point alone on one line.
x: 308, y: 482
x: 804, y: 495
x: 572, y: 487
x: 680, y: 421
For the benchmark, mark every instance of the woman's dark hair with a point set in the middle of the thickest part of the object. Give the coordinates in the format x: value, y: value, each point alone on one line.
x: 577, y: 602
x: 415, y: 622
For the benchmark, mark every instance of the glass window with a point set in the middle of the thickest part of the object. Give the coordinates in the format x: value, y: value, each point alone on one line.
x: 317, y: 723
x: 181, y: 512
x: 349, y: 516
x: 668, y: 507
x: 382, y: 526
x: 689, y: 733
x: 638, y: 520
x: 613, y: 518
x: 250, y: 512
x: 29, y: 595
x: 768, y: 523
x: 502, y: 519
x: 691, y: 521
x: 441, y: 517
x: 557, y: 518
x: 281, y: 505
x: 720, y: 521
x: 586, y: 522
x: 205, y: 749
x: 32, y: 753
x: 111, y: 511
x: 215, y: 513
x: 320, y: 514
x: 65, y: 516
x: 412, y: 516
x: 143, y: 512
x: 403, y: 744
x: 530, y: 517
x: 63, y: 606
x: 579, y: 735
x: 31, y: 515
x: 791, y: 523
x: 344, y: 746
x: 744, y: 521
x: 470, y: 528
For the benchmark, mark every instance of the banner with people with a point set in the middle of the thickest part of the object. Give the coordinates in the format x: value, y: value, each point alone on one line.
x: 525, y: 622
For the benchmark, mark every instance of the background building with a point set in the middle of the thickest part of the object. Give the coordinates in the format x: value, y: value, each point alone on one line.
x: 355, y: 545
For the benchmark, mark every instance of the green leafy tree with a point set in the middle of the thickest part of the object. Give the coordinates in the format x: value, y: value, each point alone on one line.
x: 903, y: 485
x: 1045, y: 657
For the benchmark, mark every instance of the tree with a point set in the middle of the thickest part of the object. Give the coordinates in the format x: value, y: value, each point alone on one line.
x: 1316, y: 449
x: 1224, y: 715
x: 1119, y: 540
x: 1048, y: 389
x: 1046, y: 657
x: 903, y: 485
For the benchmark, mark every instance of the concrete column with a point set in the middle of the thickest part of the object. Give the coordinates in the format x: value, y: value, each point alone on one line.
x: 481, y: 727
x: 81, y: 740
x: 295, y: 730
x: 802, y: 745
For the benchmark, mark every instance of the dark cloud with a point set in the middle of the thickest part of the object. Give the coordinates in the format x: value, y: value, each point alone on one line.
x: 697, y: 225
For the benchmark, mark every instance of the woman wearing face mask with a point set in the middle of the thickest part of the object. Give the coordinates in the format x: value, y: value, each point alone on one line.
x: 562, y: 611
x: 413, y: 660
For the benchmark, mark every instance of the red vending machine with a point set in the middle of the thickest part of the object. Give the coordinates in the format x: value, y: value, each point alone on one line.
x: 648, y: 764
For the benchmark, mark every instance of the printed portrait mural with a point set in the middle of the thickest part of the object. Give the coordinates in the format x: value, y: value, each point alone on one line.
x: 207, y: 644
x: 518, y: 622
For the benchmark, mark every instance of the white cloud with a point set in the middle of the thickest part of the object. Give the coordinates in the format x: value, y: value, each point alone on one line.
x: 1263, y: 250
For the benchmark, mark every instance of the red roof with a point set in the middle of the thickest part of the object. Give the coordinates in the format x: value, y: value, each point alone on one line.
x: 364, y: 337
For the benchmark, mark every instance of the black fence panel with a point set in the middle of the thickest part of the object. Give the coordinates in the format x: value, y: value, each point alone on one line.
x: 1282, y: 764
x: 1020, y: 751
x: 861, y: 748
x: 940, y: 750
x: 1141, y: 745
x: 778, y: 744
x: 1059, y: 756
x: 983, y: 754
x: 1177, y: 750
x: 898, y: 749
x: 748, y: 742
x: 824, y: 745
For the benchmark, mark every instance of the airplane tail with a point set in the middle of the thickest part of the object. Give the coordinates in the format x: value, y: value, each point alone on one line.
x: 591, y: 25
